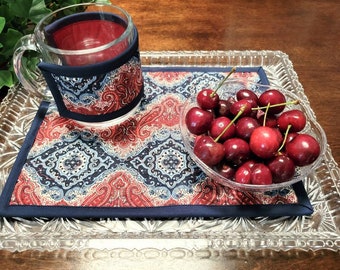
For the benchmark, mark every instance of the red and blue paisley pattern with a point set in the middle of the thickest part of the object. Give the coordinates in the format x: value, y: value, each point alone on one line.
x: 141, y: 162
x: 101, y: 94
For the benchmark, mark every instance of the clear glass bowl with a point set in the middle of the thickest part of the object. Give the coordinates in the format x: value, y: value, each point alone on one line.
x: 229, y: 88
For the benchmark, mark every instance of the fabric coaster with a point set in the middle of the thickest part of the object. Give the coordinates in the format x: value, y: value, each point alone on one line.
x: 136, y: 169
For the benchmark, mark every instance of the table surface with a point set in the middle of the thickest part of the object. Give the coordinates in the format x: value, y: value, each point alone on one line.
x: 308, y: 31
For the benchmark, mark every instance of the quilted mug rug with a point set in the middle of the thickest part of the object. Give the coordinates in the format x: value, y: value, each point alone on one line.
x: 136, y: 169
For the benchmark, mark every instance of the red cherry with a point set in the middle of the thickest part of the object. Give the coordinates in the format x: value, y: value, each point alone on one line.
x: 207, y: 99
x: 198, y: 121
x: 272, y: 97
x: 236, y: 150
x: 261, y: 175
x: 253, y: 173
x: 282, y: 168
x: 243, y: 103
x: 217, y: 127
x: 243, y: 175
x: 245, y: 127
x: 264, y: 142
x: 209, y: 151
x: 304, y: 149
x: 246, y: 94
x: 295, y: 118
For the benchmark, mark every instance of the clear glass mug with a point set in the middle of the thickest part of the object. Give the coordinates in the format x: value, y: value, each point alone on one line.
x: 90, y: 62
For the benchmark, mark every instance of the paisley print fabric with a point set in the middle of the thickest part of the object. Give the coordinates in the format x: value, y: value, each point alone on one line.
x: 138, y: 164
x: 101, y: 94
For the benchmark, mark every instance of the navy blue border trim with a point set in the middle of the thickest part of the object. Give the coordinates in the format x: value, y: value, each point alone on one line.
x: 303, y: 207
x: 22, y: 155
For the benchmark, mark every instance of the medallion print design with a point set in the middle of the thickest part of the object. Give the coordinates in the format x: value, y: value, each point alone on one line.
x: 141, y: 162
x: 103, y: 93
x: 71, y: 165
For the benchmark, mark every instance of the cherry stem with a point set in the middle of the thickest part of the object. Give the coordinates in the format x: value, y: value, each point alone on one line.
x: 285, y: 138
x: 231, y: 122
x: 293, y: 102
x: 265, y: 115
x: 222, y: 82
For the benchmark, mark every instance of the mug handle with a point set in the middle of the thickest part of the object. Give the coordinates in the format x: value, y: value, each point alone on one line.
x: 29, y: 77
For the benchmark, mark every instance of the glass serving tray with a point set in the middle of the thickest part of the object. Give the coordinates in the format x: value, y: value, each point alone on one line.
x: 183, y: 238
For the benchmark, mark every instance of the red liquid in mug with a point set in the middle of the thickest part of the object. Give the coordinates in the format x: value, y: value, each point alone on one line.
x: 89, y: 34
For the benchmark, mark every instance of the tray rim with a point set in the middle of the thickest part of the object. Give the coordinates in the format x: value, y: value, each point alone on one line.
x: 209, y: 240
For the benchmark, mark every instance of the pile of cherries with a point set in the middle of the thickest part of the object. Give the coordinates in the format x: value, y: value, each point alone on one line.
x: 251, y: 138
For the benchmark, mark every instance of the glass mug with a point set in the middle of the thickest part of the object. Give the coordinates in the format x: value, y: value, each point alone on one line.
x: 90, y: 62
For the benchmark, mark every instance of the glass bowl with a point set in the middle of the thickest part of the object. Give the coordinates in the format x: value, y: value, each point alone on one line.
x: 229, y: 88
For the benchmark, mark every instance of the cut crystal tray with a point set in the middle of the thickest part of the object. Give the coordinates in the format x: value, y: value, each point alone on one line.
x: 176, y: 238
